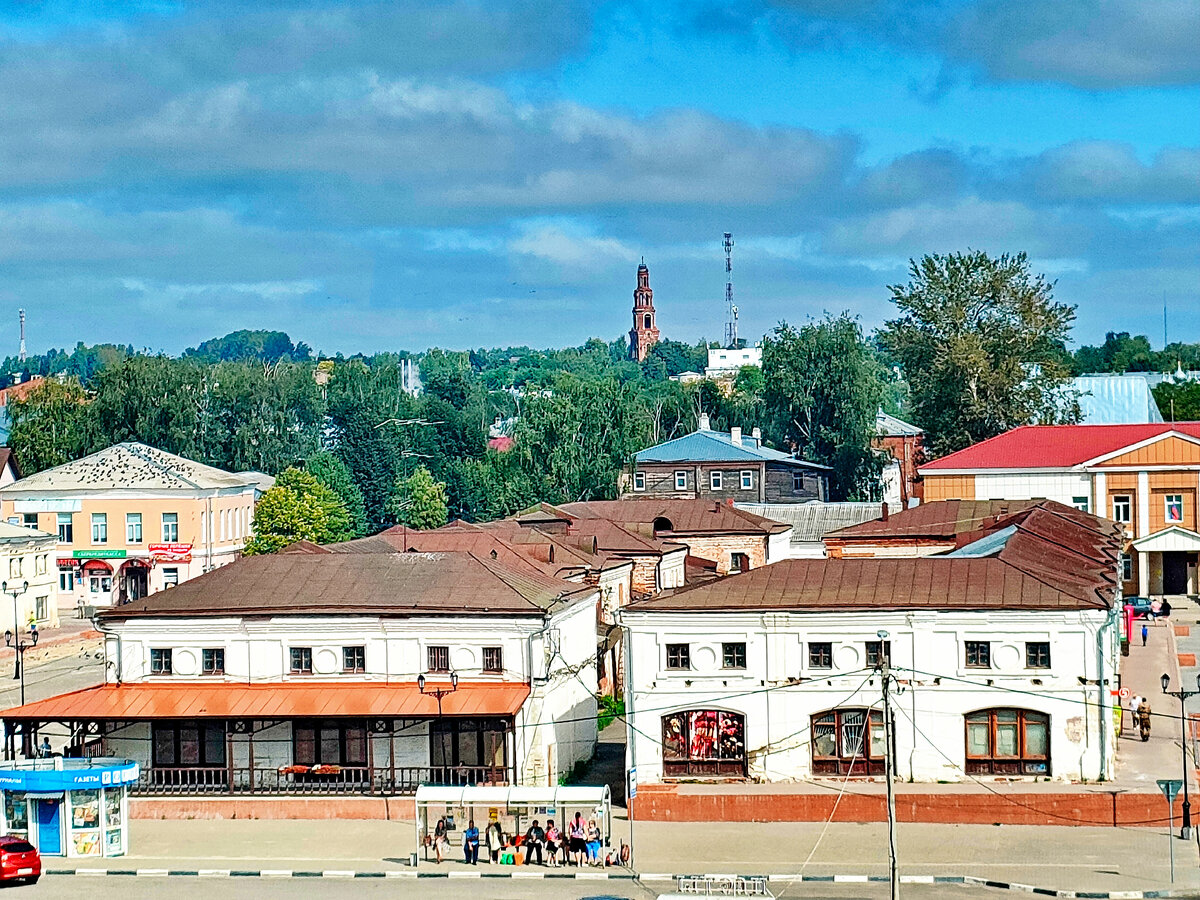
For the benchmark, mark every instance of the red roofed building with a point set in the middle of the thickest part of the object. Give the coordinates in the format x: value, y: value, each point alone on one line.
x: 1145, y: 477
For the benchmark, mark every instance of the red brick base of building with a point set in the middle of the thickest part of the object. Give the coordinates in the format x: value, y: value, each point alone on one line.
x: 1009, y: 805
x: 384, y: 808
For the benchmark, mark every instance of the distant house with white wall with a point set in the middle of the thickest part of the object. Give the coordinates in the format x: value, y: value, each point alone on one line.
x: 727, y: 362
x: 27, y: 570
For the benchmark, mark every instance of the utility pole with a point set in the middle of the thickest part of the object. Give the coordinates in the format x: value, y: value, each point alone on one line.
x: 885, y: 671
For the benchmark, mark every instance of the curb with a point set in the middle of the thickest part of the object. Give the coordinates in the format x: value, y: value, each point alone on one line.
x: 606, y: 876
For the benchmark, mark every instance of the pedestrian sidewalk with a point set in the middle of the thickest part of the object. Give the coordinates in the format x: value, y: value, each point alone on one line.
x: 71, y: 631
x: 1058, y: 858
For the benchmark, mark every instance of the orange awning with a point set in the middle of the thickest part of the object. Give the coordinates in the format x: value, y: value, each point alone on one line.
x: 286, y: 700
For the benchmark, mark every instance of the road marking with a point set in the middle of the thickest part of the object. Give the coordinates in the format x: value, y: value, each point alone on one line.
x: 91, y: 871
x: 276, y: 873
x: 152, y: 873
x: 337, y: 873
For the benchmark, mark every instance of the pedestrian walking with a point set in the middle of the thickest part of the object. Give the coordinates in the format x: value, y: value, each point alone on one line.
x: 1145, y: 633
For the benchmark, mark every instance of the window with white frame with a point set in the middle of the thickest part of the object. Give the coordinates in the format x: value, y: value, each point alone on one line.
x: 1081, y: 503
x: 797, y: 482
x: 15, y: 566
x: 714, y: 479
x: 1173, y: 509
x: 41, y: 608
x: 747, y: 479
x: 639, y: 481
x: 29, y: 520
x: 1122, y: 508
x: 66, y: 528
x: 170, y: 528
x: 99, y: 528
x: 39, y: 564
x: 170, y: 577
x: 680, y: 480
x: 133, y: 528
x: 1126, y: 567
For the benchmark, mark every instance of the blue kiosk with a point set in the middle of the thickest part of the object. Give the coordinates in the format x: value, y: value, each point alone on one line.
x: 69, y: 807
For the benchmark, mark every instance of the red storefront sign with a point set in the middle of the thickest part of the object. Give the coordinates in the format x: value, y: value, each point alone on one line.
x: 180, y: 553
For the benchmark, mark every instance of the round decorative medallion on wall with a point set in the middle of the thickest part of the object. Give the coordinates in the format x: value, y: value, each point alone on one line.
x: 464, y: 660
x: 846, y: 657
x: 706, y: 659
x: 183, y: 662
x: 1008, y: 657
x: 325, y: 661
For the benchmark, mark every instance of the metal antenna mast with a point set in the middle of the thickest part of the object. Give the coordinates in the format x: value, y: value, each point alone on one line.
x: 21, y: 352
x: 731, y: 311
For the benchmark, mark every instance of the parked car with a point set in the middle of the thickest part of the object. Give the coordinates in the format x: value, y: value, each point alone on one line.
x: 1141, y: 606
x: 19, y: 860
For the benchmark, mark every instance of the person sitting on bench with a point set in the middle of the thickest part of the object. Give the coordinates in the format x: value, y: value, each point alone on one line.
x: 534, y: 838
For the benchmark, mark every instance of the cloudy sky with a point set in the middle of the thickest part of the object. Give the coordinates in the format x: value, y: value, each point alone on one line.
x: 470, y: 173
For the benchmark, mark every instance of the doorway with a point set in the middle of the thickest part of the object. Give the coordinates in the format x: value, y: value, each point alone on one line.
x: 136, y: 582
x: 1175, y: 572
x: 49, y: 826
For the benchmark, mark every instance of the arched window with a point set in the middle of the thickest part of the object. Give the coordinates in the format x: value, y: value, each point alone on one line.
x: 662, y: 523
x: 848, y: 741
x: 704, y: 742
x: 1008, y: 742
x: 646, y: 320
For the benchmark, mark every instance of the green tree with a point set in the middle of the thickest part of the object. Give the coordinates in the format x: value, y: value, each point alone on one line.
x: 419, y: 501
x: 822, y: 393
x: 1178, y: 402
x: 980, y: 341
x: 298, y: 507
x: 49, y: 425
x: 336, y: 475
x: 1120, y: 352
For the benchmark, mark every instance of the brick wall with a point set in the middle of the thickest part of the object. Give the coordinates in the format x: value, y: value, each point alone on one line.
x: 719, y: 547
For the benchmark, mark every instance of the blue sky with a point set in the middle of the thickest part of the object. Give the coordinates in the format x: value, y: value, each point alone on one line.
x: 463, y: 173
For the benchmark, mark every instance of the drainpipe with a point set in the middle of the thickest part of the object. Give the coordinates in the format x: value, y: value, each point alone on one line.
x: 1102, y: 683
x: 120, y: 655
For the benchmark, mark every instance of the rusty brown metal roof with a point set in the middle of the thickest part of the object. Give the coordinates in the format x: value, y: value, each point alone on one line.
x: 684, y: 516
x: 386, y: 584
x: 944, y: 519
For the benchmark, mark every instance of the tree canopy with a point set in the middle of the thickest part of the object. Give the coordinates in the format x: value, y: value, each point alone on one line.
x: 981, y: 343
x: 419, y: 501
x: 297, y: 507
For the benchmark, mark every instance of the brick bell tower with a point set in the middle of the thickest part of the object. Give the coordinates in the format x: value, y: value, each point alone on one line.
x: 644, y: 334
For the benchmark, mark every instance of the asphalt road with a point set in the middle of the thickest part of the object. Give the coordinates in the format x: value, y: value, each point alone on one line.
x: 77, y: 669
x: 136, y: 888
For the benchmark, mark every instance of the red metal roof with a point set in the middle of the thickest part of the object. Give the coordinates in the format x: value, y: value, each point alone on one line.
x: 285, y: 700
x: 1054, y: 446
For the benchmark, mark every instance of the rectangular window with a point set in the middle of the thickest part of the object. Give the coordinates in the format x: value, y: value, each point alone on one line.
x: 1122, y: 508
x: 639, y: 481
x: 66, y: 528
x: 99, y: 528
x: 301, y: 660
x: 680, y: 480
x: 1173, y: 508
x: 979, y: 654
x: 29, y: 520
x: 733, y: 655
x: 100, y: 584
x: 1037, y: 654
x: 170, y: 528
x: 820, y: 654
x: 438, y: 659
x: 42, y: 608
x: 170, y: 577
x: 878, y: 652
x: 738, y: 562
x: 133, y: 528
x: 188, y: 745
x: 14, y: 566
x: 747, y: 479
x: 39, y: 564
x: 493, y: 659
x: 160, y: 661
x: 679, y: 656
x: 1081, y: 503
x: 14, y: 520
x: 714, y: 480
x: 797, y: 483
x: 66, y: 581
x: 354, y: 659
x: 213, y: 662
x: 1126, y: 567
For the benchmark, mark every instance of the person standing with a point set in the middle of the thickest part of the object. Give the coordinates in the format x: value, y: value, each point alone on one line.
x: 495, y: 841
x: 471, y: 843
x: 554, y: 841
x: 577, y: 845
x: 1145, y: 633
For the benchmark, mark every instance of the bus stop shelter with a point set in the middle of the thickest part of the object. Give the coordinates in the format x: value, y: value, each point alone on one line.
x: 513, y: 807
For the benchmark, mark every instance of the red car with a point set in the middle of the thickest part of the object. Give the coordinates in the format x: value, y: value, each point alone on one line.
x: 19, y: 860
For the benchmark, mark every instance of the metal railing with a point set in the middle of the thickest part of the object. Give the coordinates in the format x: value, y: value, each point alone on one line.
x: 724, y: 885
x: 382, y: 781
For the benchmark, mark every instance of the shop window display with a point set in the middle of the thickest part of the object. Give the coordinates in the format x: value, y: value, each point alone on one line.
x: 704, y: 742
x: 85, y: 822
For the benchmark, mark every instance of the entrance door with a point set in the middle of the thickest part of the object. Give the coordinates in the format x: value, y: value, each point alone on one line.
x: 135, y: 583
x: 49, y: 837
x: 1175, y: 573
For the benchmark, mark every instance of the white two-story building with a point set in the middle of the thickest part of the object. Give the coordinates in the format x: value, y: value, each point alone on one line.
x: 1004, y: 652
x: 341, y: 672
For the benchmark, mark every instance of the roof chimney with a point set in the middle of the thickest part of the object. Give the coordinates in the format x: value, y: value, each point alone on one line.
x: 756, y: 433
x: 735, y: 434
x: 702, y: 425
x: 884, y: 517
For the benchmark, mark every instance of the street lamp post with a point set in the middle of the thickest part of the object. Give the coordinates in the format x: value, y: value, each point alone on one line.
x: 13, y: 640
x: 439, y: 693
x: 1185, y: 831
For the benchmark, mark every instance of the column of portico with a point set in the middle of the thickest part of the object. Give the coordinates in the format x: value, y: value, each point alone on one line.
x: 1143, y: 529
x: 1100, y: 491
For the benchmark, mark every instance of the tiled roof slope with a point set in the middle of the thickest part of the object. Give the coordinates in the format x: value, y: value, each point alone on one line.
x: 387, y: 584
x: 1049, y: 561
x: 716, y: 446
x: 129, y: 466
x: 1053, y: 446
x: 944, y: 519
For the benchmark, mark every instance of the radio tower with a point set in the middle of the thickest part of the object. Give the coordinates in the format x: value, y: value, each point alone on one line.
x: 731, y: 311
x: 21, y: 352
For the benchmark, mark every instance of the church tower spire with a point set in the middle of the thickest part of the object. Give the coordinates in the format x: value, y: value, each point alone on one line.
x: 644, y: 334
